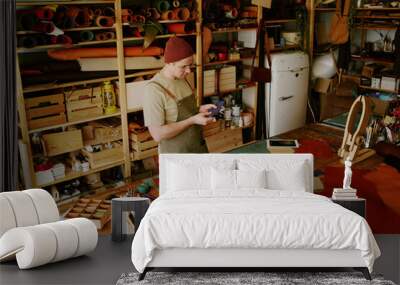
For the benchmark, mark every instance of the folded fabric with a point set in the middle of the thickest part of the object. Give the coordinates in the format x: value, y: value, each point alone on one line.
x: 71, y: 54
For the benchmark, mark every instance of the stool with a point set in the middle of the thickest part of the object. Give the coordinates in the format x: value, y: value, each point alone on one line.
x: 138, y: 205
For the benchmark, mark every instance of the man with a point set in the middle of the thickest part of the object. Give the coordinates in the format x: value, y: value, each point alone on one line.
x: 169, y: 107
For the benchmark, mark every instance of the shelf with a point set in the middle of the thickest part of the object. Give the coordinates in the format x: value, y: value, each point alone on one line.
x: 159, y: 37
x: 66, y: 2
x: 49, y: 86
x: 247, y: 84
x: 325, y: 10
x: 44, y: 47
x: 69, y: 30
x: 378, y: 60
x: 274, y: 22
x: 135, y: 110
x: 371, y: 27
x: 288, y: 47
x: 377, y: 17
x: 76, y: 174
x: 377, y: 89
x: 225, y: 61
x: 233, y: 30
x: 379, y: 9
x: 74, y: 123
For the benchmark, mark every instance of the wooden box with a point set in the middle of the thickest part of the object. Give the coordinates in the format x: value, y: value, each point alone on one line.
x: 209, y: 82
x: 143, y: 145
x: 213, y: 128
x: 84, y: 103
x: 45, y: 111
x: 102, y: 132
x: 62, y: 142
x: 105, y: 156
x: 225, y: 140
x: 227, y: 79
x: 98, y: 211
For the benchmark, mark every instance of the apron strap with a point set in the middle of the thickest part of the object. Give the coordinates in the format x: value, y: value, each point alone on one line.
x: 190, y: 86
x: 169, y: 93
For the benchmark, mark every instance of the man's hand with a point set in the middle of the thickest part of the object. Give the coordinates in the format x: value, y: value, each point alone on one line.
x: 204, y: 108
x: 202, y: 118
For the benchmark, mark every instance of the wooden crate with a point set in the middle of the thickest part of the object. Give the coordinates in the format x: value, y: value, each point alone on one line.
x: 102, y: 132
x: 62, y: 142
x: 84, y: 103
x: 105, y: 156
x: 45, y: 111
x: 225, y: 140
x: 138, y: 155
x: 213, y: 128
x: 227, y: 78
x: 143, y: 145
x: 98, y: 211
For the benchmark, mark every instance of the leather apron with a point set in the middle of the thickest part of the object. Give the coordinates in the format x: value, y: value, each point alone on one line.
x: 190, y: 140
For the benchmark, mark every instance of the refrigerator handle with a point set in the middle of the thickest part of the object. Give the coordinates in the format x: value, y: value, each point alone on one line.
x: 283, y: 98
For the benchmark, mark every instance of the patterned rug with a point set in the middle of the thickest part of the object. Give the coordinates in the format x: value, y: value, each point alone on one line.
x: 243, y: 278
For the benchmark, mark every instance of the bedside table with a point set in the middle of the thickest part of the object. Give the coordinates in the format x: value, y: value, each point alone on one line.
x: 357, y: 205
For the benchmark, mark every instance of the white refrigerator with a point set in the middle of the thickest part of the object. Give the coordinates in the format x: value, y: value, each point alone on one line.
x: 286, y: 95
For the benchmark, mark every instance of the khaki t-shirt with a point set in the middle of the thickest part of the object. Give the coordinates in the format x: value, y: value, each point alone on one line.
x: 158, y: 108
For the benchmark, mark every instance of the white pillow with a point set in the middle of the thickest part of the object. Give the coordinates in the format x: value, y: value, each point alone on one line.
x: 223, y: 179
x: 251, y: 178
x: 184, y: 174
x: 281, y: 174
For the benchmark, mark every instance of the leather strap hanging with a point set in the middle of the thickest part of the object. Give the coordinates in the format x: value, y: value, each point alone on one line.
x: 340, y: 23
x: 261, y: 74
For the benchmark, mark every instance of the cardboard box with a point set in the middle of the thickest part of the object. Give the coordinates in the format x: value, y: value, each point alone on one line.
x: 135, y: 92
x: 389, y: 83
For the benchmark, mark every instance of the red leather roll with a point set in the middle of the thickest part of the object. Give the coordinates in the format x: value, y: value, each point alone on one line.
x: 76, y: 53
x: 140, y: 19
x: 100, y: 36
x: 46, y: 14
x: 168, y: 15
x: 182, y: 14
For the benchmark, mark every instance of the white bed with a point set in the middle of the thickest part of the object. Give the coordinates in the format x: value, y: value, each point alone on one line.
x: 201, y: 219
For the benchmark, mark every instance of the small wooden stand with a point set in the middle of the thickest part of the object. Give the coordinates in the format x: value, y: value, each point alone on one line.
x: 352, y: 138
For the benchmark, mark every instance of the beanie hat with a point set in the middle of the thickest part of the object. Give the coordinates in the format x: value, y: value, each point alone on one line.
x: 177, y: 49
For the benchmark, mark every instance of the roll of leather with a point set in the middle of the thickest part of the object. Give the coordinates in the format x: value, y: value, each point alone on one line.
x: 43, y: 27
x: 72, y: 54
x: 86, y: 36
x: 138, y: 19
x: 85, y: 17
x: 97, y: 12
x: 181, y: 28
x: 126, y: 15
x: 109, y: 12
x: 168, y: 15
x: 64, y: 40
x: 162, y: 5
x: 71, y: 14
x: 182, y: 14
x: 109, y: 35
x: 176, y: 3
x: 44, y: 13
x: 104, y: 21
x: 232, y: 13
x: 153, y: 14
x: 101, y: 36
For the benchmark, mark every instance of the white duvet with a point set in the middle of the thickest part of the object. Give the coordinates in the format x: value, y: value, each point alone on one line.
x: 251, y: 218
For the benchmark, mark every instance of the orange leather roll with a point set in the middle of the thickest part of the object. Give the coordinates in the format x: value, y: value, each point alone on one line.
x: 76, y: 53
x: 104, y: 21
x: 138, y: 19
x: 126, y: 15
x: 84, y: 18
x: 168, y: 15
x: 181, y: 28
x: 182, y: 14
x: 153, y: 14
